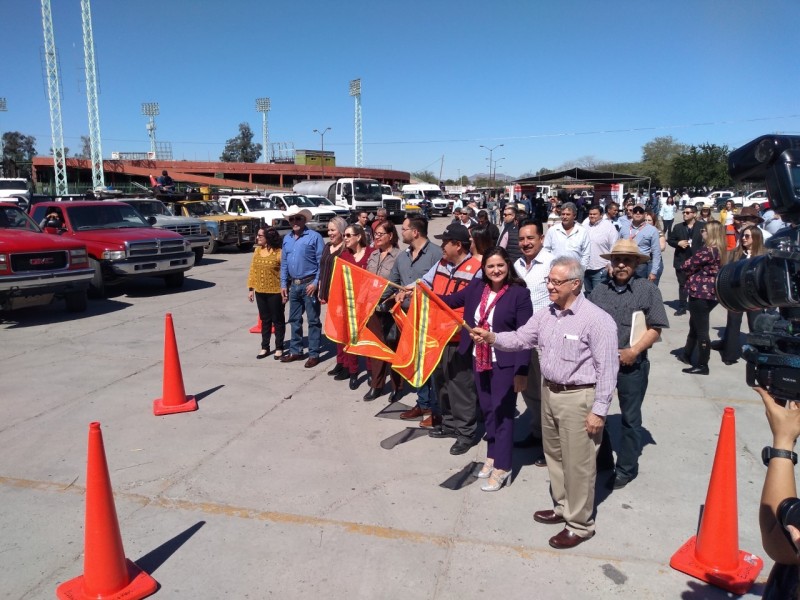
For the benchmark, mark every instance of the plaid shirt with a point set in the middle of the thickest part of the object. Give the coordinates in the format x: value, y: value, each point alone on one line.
x: 577, y: 346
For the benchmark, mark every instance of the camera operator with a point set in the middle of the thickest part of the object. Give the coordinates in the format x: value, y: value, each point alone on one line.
x: 780, y: 539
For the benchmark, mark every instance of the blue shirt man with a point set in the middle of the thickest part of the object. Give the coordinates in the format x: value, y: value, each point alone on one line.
x: 301, y: 254
x: 646, y: 238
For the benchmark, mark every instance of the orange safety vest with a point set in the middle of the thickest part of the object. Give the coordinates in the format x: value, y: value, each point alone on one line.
x: 446, y: 283
x: 730, y: 236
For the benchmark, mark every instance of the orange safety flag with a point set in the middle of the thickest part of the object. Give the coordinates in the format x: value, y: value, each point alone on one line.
x: 354, y: 294
x: 428, y: 326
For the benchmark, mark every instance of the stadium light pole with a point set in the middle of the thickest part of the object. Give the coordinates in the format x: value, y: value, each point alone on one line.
x: 355, y: 92
x: 263, y: 106
x: 3, y: 108
x: 151, y: 109
x: 491, y: 150
x: 322, y: 144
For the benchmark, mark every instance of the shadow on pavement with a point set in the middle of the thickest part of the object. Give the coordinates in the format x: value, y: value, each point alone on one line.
x: 466, y: 476
x: 151, y: 561
x: 208, y: 392
x: 401, y: 437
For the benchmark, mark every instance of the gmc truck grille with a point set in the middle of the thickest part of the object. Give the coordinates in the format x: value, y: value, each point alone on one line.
x: 185, y: 229
x: 391, y: 204
x: 155, y: 247
x: 323, y: 218
x: 38, y: 261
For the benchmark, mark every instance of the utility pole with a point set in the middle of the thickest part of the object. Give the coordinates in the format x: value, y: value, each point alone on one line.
x: 491, y: 187
x: 3, y: 108
x: 355, y: 92
x: 91, y: 95
x: 54, y: 98
x: 322, y: 143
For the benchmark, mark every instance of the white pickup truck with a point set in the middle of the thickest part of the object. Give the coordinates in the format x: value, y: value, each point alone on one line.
x: 320, y: 217
x: 257, y: 207
x: 758, y: 197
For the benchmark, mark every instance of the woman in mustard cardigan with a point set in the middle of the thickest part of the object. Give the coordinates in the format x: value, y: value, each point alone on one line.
x: 264, y: 286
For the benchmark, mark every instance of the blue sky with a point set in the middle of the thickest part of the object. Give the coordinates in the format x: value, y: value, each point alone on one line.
x: 552, y: 81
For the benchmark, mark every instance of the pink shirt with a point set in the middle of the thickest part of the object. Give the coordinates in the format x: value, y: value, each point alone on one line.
x: 577, y: 346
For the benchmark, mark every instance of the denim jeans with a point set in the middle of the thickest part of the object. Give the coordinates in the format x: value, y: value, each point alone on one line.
x: 426, y: 397
x: 300, y: 302
x: 631, y: 388
x: 593, y: 278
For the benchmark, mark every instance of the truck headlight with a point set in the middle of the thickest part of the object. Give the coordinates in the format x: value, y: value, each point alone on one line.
x: 79, y: 256
x: 203, y: 228
x: 3, y: 262
x: 114, y: 254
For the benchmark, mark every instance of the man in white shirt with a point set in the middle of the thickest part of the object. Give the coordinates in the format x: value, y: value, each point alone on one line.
x: 602, y: 237
x: 533, y: 267
x: 568, y: 238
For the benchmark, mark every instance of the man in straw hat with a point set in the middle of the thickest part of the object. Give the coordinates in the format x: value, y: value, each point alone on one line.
x: 622, y: 297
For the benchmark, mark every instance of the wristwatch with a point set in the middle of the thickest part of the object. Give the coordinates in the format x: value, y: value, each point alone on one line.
x: 768, y: 453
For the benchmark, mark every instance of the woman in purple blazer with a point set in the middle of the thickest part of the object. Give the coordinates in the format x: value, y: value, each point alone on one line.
x: 498, y: 301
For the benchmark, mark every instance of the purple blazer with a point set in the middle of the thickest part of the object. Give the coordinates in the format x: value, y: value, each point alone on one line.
x: 511, y: 312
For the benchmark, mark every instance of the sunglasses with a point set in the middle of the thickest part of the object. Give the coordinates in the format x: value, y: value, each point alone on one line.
x: 292, y: 219
x: 688, y: 212
x: 349, y: 235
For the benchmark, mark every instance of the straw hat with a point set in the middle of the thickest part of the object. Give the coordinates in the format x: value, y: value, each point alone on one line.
x: 626, y: 248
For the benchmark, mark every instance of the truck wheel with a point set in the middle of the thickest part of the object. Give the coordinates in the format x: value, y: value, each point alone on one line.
x: 245, y: 247
x: 97, y: 288
x: 175, y: 280
x: 76, y: 301
x: 212, y: 246
x: 198, y: 255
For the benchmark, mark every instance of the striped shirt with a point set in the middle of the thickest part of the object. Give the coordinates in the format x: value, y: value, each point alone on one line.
x: 577, y: 346
x: 534, y: 275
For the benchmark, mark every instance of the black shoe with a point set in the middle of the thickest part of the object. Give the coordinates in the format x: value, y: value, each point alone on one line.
x: 698, y: 370
x: 730, y: 362
x: 461, y: 447
x: 337, y: 369
x: 619, y: 482
x: 372, y: 394
x: 342, y: 375
x: 442, y: 432
x: 353, y: 382
x: 540, y: 462
x: 393, y: 396
x: 680, y: 312
x: 716, y: 345
x: 528, y: 442
x: 684, y: 359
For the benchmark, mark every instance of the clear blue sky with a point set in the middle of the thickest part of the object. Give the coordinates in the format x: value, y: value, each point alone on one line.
x: 551, y: 80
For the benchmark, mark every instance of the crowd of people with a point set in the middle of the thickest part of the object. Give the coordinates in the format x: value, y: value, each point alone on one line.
x: 564, y: 315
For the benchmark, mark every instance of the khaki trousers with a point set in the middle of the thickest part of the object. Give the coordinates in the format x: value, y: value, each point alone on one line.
x: 571, y: 456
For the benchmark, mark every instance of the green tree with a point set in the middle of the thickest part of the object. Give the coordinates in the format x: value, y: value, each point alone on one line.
x: 657, y: 157
x: 241, y: 148
x: 66, y: 151
x: 86, y: 148
x: 19, y: 147
x: 705, y: 165
x: 426, y: 176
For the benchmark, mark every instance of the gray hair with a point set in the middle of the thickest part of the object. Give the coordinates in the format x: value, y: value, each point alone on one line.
x: 339, y: 223
x: 573, y: 266
x: 570, y: 206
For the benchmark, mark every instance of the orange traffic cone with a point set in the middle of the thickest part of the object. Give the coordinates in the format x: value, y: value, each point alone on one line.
x: 174, y: 398
x: 106, y: 571
x: 257, y: 327
x: 713, y: 555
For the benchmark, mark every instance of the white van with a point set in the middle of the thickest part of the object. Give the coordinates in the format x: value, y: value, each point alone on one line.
x: 430, y: 192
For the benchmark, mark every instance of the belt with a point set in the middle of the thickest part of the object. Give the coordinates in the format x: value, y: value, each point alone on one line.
x: 560, y: 387
x: 308, y: 279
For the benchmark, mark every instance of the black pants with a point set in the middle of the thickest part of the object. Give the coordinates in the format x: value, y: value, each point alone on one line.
x: 667, y: 226
x: 731, y: 346
x: 454, y: 383
x: 699, y: 311
x: 270, y: 311
x: 683, y: 296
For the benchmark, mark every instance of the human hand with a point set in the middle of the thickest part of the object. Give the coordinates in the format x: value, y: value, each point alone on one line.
x: 594, y: 424
x: 652, y: 277
x: 783, y: 421
x: 251, y: 295
x: 683, y: 244
x: 284, y: 295
x: 627, y: 356
x: 481, y: 336
x: 310, y: 289
x: 520, y: 383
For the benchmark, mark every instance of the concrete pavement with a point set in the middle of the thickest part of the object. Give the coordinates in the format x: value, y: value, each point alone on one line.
x: 280, y: 486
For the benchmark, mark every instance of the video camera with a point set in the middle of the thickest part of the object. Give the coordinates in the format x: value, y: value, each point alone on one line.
x: 771, y: 280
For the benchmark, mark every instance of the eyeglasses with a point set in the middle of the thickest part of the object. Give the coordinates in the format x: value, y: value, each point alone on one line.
x: 349, y: 235
x: 378, y: 234
x: 747, y: 236
x: 688, y: 212
x: 556, y: 282
x: 292, y: 219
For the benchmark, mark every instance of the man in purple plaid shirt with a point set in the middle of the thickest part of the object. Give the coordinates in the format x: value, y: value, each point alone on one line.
x: 577, y: 344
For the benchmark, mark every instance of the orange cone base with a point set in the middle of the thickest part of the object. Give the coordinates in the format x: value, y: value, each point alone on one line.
x: 256, y: 328
x: 737, y: 581
x: 159, y: 408
x: 141, y: 586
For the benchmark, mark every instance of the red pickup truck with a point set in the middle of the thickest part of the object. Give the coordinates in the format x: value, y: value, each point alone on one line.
x: 36, y: 267
x: 120, y: 243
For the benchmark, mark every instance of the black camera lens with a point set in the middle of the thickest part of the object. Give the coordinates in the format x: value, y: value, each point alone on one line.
x: 742, y: 285
x: 789, y: 512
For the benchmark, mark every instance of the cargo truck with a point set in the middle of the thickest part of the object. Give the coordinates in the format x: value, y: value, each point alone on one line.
x: 355, y: 194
